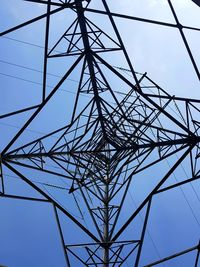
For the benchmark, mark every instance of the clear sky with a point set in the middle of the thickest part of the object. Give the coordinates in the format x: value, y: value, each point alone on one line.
x: 28, y: 231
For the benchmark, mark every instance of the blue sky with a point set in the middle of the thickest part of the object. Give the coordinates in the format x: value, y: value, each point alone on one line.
x: 28, y: 234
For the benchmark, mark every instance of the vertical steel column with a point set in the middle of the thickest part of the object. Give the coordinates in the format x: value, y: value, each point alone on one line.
x: 89, y: 57
x: 89, y: 60
x: 106, y: 223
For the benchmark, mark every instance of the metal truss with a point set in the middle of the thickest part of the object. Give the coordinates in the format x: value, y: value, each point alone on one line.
x: 112, y: 138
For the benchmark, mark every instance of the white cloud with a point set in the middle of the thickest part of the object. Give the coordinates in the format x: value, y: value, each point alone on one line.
x: 153, y: 3
x: 183, y: 3
x: 178, y: 3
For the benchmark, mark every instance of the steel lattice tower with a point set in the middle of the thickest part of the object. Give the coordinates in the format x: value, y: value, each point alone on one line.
x: 110, y: 139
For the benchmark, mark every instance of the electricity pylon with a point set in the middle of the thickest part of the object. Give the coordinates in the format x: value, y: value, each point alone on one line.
x: 111, y: 138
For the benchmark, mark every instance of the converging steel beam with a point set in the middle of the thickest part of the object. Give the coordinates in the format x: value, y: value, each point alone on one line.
x: 197, y: 2
x: 173, y: 256
x: 181, y: 141
x: 107, y: 141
